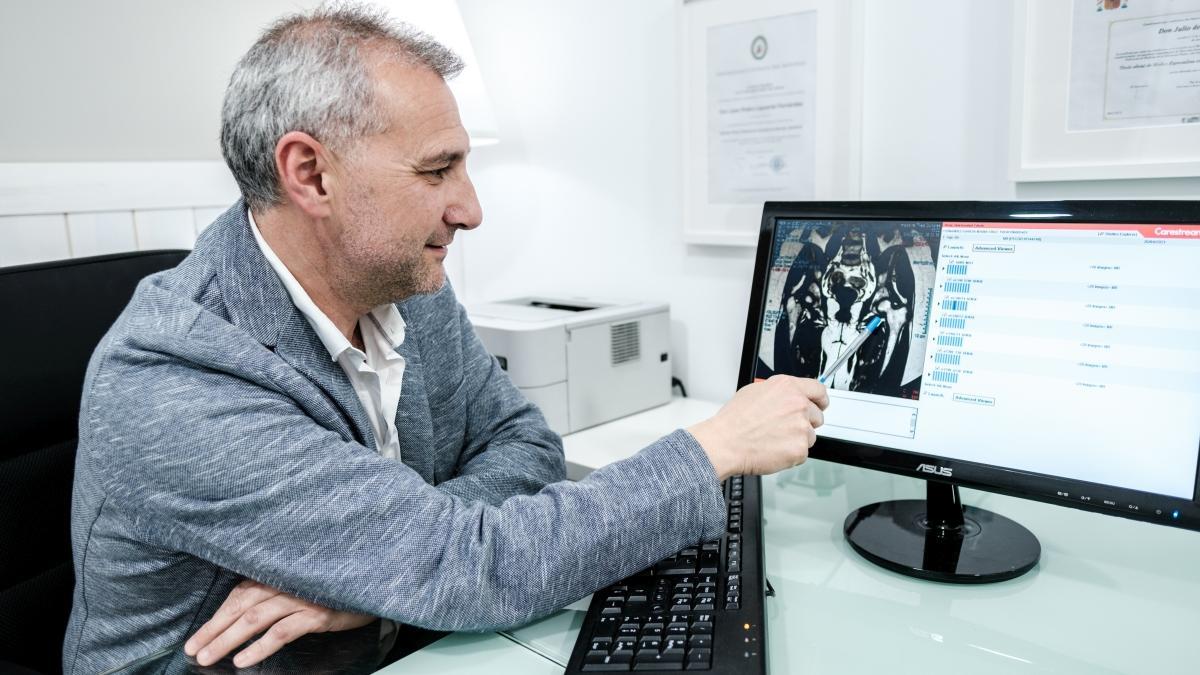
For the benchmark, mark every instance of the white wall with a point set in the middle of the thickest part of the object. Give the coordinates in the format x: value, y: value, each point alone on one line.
x: 121, y: 79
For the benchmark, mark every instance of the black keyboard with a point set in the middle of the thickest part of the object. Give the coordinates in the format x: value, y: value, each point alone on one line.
x: 700, y: 609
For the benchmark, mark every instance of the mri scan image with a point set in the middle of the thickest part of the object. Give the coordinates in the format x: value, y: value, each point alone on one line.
x: 828, y: 279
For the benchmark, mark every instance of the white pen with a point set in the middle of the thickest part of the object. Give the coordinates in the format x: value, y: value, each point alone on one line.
x: 854, y: 347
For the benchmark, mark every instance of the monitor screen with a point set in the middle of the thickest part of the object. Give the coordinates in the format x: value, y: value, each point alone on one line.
x: 1046, y: 350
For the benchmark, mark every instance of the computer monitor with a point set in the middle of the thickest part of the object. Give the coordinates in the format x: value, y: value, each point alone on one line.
x: 1046, y: 350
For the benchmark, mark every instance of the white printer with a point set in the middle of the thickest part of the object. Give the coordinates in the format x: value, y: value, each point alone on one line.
x: 582, y: 362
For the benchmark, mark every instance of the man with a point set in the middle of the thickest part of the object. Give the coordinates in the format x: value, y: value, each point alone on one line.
x: 299, y: 416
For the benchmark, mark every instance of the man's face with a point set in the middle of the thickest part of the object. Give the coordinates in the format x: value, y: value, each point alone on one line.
x: 401, y: 195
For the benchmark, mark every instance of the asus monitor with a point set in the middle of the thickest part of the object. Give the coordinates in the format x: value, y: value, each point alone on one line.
x: 1046, y: 350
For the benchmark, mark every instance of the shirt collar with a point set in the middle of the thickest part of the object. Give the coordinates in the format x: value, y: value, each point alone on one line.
x: 386, y: 317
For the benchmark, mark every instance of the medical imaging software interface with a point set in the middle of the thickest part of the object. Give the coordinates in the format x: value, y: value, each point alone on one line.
x: 1070, y: 350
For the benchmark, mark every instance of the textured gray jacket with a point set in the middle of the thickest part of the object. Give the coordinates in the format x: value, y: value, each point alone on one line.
x: 218, y: 440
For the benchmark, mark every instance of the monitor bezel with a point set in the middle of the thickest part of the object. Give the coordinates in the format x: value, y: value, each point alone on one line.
x: 1028, y: 485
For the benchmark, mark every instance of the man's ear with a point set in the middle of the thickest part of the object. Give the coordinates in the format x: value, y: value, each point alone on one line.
x: 303, y: 165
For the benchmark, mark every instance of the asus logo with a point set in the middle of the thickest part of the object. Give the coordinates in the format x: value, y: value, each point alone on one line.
x: 936, y: 470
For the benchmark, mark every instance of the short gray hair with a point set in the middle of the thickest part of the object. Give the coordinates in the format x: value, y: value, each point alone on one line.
x: 308, y: 72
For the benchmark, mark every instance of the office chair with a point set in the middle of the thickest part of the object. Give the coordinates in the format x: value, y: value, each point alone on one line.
x: 52, y: 316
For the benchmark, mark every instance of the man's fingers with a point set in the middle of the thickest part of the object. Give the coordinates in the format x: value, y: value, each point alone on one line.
x: 815, y: 417
x: 809, y: 388
x: 280, y: 634
x: 253, y: 621
x: 815, y: 392
x: 244, y: 596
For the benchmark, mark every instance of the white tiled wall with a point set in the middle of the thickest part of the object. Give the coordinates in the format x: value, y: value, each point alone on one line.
x: 100, y: 233
x: 38, y: 238
x: 26, y: 239
x: 205, y: 217
x: 166, y: 228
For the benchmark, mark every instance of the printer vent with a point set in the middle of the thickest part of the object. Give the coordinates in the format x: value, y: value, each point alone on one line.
x: 626, y: 342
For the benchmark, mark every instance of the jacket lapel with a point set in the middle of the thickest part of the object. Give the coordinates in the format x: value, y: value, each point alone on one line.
x: 300, y: 347
x: 259, y: 304
x: 413, y: 421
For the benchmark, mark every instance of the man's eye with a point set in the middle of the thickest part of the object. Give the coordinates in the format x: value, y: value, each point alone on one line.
x: 438, y: 173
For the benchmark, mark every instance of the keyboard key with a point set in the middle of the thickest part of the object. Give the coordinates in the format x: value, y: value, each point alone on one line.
x: 653, y: 644
x: 699, y: 659
x: 653, y: 660
x: 700, y: 642
x: 609, y: 662
x: 602, y: 644
x: 605, y: 627
x: 702, y: 628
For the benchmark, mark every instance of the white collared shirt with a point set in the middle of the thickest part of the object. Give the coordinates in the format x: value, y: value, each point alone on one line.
x: 375, y: 375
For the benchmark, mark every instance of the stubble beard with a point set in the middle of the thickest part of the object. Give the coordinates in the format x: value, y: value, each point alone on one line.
x: 378, y: 270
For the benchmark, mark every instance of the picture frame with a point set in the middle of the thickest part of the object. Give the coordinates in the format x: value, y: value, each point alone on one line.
x: 709, y: 217
x: 1043, y: 146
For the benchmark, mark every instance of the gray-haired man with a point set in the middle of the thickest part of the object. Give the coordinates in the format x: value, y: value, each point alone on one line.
x: 298, y: 426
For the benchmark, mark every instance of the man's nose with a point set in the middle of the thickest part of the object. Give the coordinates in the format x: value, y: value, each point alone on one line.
x: 464, y: 210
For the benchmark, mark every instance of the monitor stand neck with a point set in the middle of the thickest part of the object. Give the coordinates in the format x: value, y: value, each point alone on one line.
x: 945, y: 508
x: 939, y: 539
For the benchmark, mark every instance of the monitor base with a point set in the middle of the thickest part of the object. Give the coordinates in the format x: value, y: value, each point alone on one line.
x: 939, y: 539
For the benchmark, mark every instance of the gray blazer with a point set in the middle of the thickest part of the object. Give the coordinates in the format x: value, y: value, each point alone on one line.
x: 218, y: 440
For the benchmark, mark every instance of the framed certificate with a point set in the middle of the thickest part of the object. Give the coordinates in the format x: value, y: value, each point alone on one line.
x: 1105, y: 89
x: 771, y: 110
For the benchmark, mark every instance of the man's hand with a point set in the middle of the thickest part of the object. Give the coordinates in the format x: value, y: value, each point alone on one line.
x: 766, y: 427
x: 252, y: 608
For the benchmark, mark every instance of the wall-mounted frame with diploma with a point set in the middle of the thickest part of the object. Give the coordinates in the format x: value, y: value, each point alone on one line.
x: 1105, y: 89
x: 772, y: 109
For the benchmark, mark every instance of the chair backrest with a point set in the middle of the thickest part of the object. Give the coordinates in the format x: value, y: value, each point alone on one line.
x: 52, y: 315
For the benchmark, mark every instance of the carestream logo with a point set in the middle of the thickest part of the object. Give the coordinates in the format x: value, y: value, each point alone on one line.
x: 1176, y: 232
x: 935, y: 470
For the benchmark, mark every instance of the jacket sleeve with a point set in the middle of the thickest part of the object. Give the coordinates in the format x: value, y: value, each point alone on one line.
x: 507, y: 449
x: 203, y: 452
